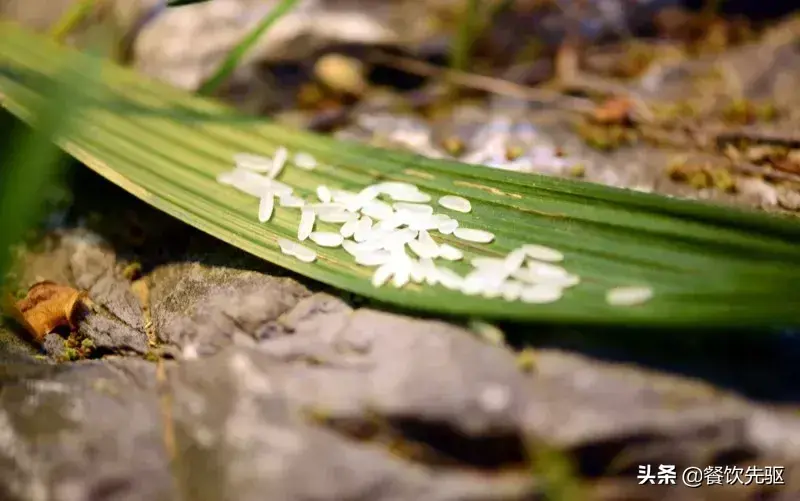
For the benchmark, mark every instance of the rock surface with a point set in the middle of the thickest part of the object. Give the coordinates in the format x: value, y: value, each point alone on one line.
x: 271, y: 387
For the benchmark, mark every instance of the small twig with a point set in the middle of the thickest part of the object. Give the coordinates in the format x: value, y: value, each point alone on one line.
x: 487, y: 84
x: 598, y: 85
x: 761, y: 170
x: 776, y: 138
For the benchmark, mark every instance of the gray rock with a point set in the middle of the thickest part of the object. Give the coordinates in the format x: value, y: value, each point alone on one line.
x: 90, y: 430
x: 199, y: 309
x: 283, y: 387
x: 82, y: 259
x: 246, y: 437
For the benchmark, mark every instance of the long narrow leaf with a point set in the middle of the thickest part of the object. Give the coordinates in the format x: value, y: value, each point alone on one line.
x: 236, y: 55
x: 30, y: 161
x: 708, y: 265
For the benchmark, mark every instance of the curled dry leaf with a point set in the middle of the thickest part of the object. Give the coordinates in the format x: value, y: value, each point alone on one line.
x: 46, y: 307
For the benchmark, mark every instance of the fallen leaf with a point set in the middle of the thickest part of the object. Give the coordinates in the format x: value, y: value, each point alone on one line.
x: 46, y: 307
x: 616, y: 110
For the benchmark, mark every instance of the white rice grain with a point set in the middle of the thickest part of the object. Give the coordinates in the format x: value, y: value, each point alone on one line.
x: 348, y: 229
x: 511, y: 290
x: 306, y: 226
x: 494, y: 263
x: 334, y: 216
x: 417, y: 272
x: 253, y: 183
x: 415, y: 209
x: 492, y: 291
x: 415, y: 197
x: 278, y: 161
x: 377, y: 209
x: 441, y: 218
x: 324, y: 194
x: 474, y: 283
x: 291, y: 201
x: 629, y: 295
x: 398, y: 238
x: 305, y: 161
x: 514, y: 261
x: 474, y: 235
x: 455, y: 203
x: 543, y: 253
x: 382, y: 274
x: 294, y: 249
x: 363, y: 229
x: 448, y: 227
x: 421, y: 250
x: 448, y: 278
x: 265, y: 207
x: 305, y: 254
x: 391, y: 223
x: 402, y: 274
x: 554, y: 278
x: 541, y: 294
x: 546, y: 270
x: 343, y: 197
x: 430, y: 271
x: 450, y: 253
x: 326, y: 238
x: 389, y: 187
x: 375, y: 258
x: 420, y: 223
x: 352, y: 248
x: 255, y: 163
x: 425, y: 239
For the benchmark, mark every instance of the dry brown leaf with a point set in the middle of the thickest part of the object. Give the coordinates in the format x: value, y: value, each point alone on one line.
x: 46, y: 307
x: 616, y: 110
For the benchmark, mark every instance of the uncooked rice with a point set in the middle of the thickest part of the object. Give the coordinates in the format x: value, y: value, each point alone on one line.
x: 455, y: 203
x: 324, y: 194
x: 306, y: 226
x: 278, y: 161
x: 255, y: 163
x: 474, y: 235
x: 628, y: 296
x: 305, y: 161
x: 376, y: 233
x: 326, y: 238
x: 265, y: 207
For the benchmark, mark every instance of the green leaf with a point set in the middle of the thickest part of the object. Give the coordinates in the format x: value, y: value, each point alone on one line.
x: 467, y: 31
x: 708, y: 265
x: 30, y: 161
x: 72, y: 18
x: 236, y: 54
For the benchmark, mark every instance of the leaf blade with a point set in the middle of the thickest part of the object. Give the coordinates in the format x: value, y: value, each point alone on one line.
x: 166, y: 148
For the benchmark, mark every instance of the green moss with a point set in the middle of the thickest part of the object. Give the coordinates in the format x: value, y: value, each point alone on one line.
x: 71, y: 354
x: 723, y: 180
x: 556, y: 472
x: 577, y: 170
x: 514, y: 152
x: 606, y: 136
x: 744, y: 112
x: 526, y: 360
x: 453, y: 145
